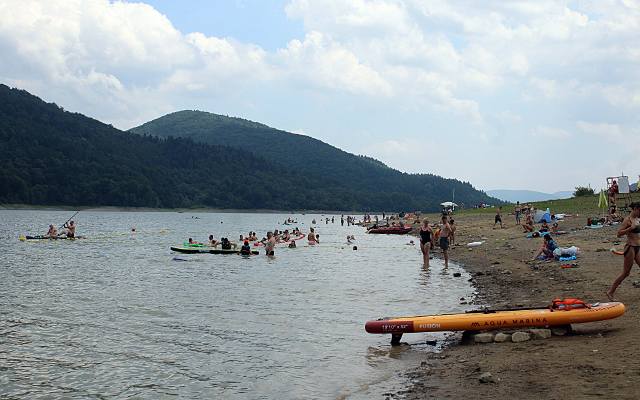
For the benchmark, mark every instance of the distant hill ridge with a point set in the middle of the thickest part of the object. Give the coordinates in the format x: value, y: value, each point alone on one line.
x: 54, y: 157
x: 527, y: 195
x: 317, y: 159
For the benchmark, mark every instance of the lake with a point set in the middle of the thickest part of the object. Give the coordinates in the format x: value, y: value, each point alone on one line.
x: 118, y: 315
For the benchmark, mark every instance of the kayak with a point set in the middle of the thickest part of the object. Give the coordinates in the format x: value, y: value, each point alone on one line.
x: 42, y: 237
x: 207, y: 250
x: 490, y: 320
x: 391, y: 230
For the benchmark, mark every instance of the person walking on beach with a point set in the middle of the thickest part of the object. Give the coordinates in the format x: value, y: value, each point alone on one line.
x: 631, y: 228
x: 452, y: 236
x: 518, y: 211
x: 426, y: 241
x: 498, y: 218
x: 445, y: 232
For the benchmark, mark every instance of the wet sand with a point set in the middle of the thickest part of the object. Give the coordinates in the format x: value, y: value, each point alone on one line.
x: 599, y: 359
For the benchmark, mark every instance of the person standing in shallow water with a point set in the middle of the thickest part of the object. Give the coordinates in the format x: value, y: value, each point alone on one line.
x: 426, y: 241
x: 445, y: 232
x: 631, y: 228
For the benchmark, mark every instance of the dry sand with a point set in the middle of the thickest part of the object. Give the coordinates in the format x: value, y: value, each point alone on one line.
x: 600, y: 359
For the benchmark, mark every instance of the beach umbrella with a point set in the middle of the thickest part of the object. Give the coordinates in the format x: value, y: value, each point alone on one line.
x: 602, y: 200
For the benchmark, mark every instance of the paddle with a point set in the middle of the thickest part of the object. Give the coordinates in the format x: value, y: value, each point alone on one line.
x: 61, y: 226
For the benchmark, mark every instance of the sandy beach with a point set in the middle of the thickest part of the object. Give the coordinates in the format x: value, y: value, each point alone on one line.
x: 599, y: 359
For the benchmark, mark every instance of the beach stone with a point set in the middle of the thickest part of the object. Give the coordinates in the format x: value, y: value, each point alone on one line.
x: 501, y: 337
x: 518, y: 337
x: 487, y: 378
x: 483, y: 337
x: 540, y: 333
x: 636, y: 284
x: 560, y: 331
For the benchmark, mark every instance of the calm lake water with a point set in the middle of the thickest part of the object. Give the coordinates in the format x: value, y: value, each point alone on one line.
x: 118, y: 315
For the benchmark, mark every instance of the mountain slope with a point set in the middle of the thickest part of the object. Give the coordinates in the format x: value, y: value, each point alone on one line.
x: 527, y: 195
x: 54, y: 157
x: 318, y: 160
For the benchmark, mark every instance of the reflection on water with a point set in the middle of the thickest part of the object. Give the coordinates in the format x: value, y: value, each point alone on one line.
x: 119, y: 315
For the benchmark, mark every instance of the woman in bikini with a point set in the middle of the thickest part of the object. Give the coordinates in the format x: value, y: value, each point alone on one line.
x: 426, y: 241
x: 631, y: 228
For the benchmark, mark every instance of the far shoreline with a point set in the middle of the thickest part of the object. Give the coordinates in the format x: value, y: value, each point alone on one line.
x: 19, y: 207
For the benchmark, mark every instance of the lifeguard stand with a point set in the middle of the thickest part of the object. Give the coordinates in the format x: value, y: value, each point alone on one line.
x: 623, y: 197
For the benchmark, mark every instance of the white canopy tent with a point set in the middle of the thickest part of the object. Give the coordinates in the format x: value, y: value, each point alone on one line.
x: 449, y: 204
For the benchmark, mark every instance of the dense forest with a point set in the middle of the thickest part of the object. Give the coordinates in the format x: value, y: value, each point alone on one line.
x: 384, y: 186
x: 53, y: 157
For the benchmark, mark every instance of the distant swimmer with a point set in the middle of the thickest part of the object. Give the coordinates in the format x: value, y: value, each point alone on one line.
x: 71, y: 230
x: 52, y: 233
x: 311, y: 237
x: 245, y: 250
x: 270, y: 244
x: 292, y: 244
x: 631, y: 228
x: 349, y: 239
x: 313, y: 221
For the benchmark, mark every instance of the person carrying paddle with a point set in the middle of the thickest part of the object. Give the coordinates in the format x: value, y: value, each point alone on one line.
x: 71, y: 230
x: 631, y: 228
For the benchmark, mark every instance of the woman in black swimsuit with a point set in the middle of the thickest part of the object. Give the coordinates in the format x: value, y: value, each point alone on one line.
x: 426, y: 241
x: 631, y: 228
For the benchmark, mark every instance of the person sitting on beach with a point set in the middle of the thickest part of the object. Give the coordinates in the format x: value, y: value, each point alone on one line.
x: 544, y: 227
x: 528, y: 223
x: 630, y: 228
x: 245, y: 250
x: 545, y: 252
x: 613, y: 215
x: 52, y: 233
x: 555, y: 228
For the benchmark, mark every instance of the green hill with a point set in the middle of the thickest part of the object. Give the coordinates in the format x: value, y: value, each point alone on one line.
x: 385, y: 188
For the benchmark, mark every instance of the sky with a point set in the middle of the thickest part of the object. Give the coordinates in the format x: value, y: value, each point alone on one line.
x: 541, y: 95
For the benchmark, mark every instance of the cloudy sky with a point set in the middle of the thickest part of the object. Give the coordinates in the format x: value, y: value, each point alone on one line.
x: 541, y: 95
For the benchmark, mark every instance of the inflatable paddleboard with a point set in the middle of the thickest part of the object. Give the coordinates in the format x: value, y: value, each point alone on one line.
x: 23, y: 238
x: 491, y: 320
x: 207, y: 250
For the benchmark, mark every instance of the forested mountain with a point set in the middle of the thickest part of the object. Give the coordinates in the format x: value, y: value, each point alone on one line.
x: 53, y: 157
x: 384, y: 186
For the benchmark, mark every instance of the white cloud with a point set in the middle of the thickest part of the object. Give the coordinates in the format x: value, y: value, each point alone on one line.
x: 484, y: 72
x: 547, y: 132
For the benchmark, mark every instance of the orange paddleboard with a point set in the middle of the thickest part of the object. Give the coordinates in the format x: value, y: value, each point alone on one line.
x: 480, y: 321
